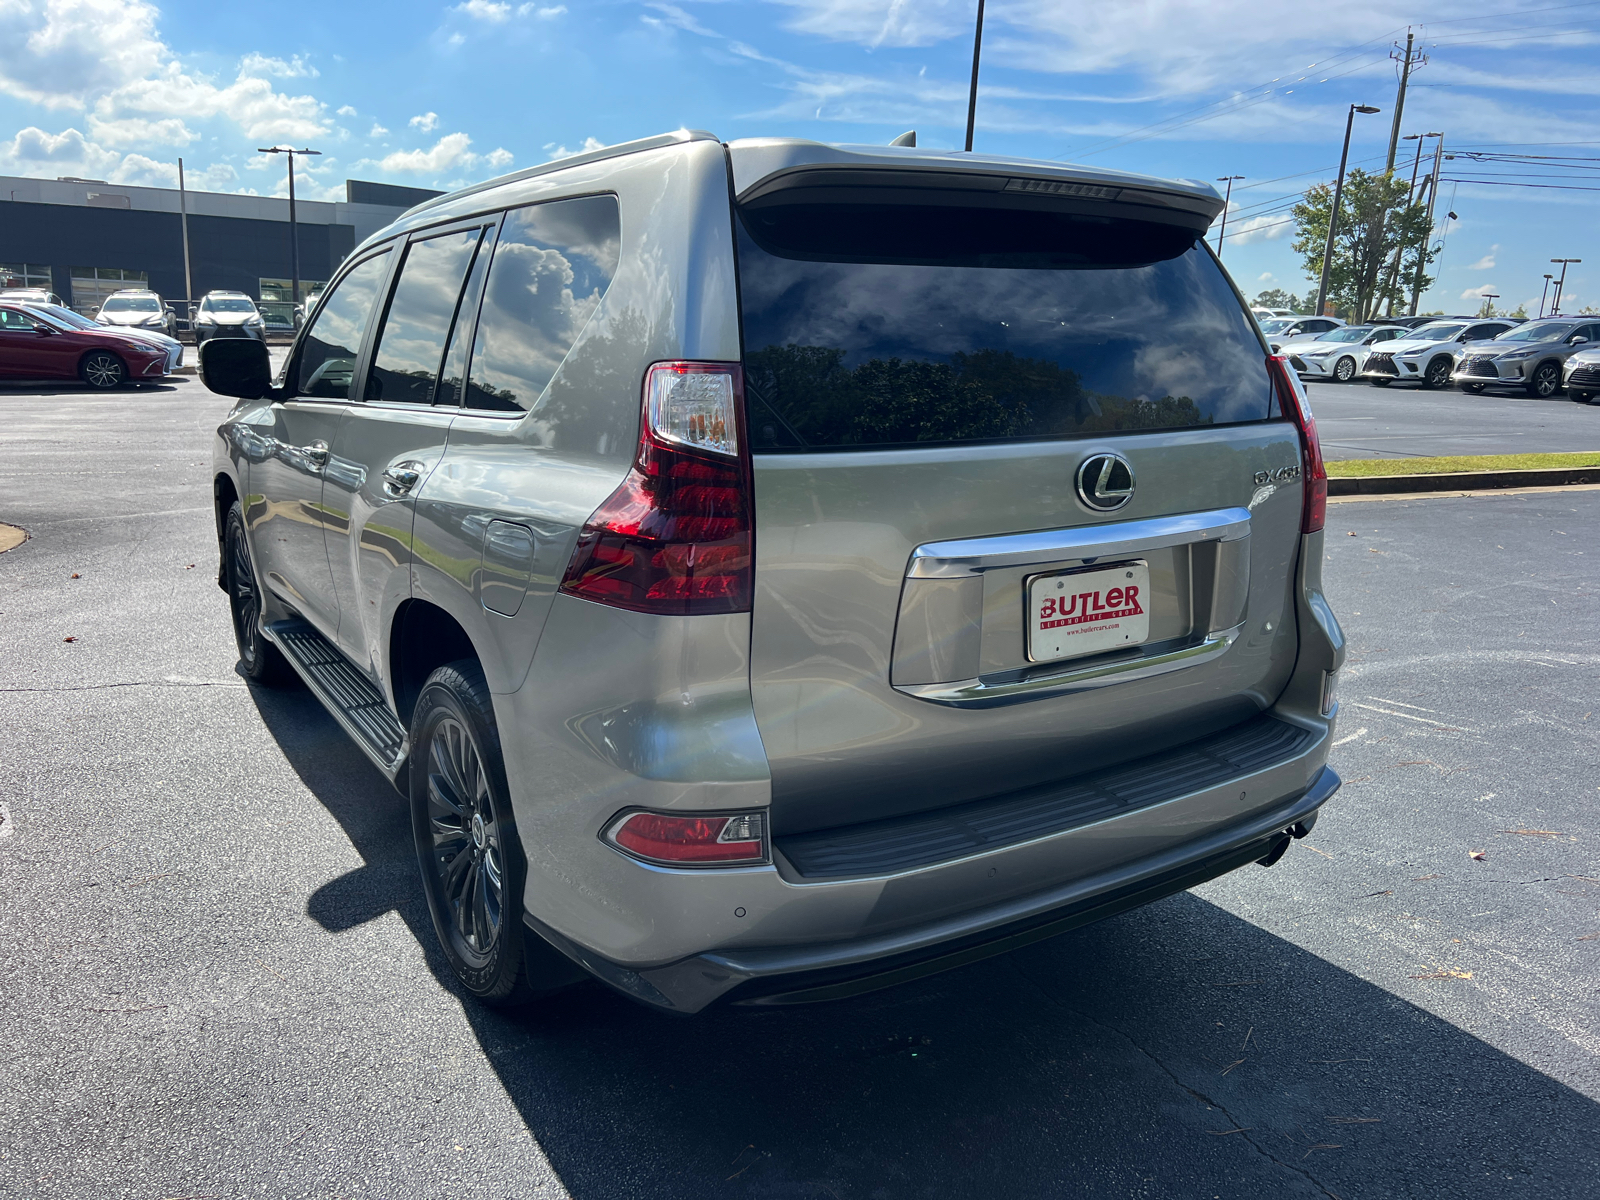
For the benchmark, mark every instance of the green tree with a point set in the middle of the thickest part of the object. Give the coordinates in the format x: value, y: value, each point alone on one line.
x: 1487, y: 309
x: 1375, y: 223
x: 1520, y: 311
x: 1278, y: 298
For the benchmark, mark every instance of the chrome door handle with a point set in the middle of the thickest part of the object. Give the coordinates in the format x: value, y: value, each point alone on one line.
x: 317, y: 452
x: 399, y: 479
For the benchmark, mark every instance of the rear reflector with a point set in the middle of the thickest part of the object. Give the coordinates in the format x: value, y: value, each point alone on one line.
x: 675, y: 537
x: 681, y: 840
x: 1313, y: 472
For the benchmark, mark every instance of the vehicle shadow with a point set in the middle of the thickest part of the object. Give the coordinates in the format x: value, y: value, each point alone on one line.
x: 62, y: 388
x: 1172, y: 1051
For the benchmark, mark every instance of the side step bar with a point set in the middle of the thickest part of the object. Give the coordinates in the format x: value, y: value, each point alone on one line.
x: 345, y: 692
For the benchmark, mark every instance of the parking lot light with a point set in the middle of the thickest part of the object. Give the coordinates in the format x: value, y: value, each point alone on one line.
x: 1333, y: 213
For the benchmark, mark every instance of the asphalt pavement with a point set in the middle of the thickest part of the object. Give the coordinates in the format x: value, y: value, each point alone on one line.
x: 1356, y: 420
x: 220, y: 980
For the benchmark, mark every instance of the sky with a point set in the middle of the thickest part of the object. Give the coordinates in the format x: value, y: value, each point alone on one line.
x: 439, y: 95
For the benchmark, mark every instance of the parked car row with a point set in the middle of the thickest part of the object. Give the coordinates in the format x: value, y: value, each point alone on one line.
x: 220, y: 313
x: 50, y: 342
x: 1539, y: 357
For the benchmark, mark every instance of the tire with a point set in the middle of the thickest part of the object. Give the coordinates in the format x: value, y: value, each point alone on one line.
x: 1474, y: 389
x: 261, y: 661
x: 1581, y: 397
x: 1379, y: 382
x: 1437, y: 374
x: 467, y: 845
x: 1545, y: 381
x: 103, y: 370
x: 1344, y: 370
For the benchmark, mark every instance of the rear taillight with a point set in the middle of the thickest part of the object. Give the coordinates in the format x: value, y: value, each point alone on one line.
x: 687, y: 840
x: 675, y: 537
x: 1313, y: 473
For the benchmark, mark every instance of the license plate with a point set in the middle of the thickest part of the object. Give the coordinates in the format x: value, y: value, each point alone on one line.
x: 1088, y: 612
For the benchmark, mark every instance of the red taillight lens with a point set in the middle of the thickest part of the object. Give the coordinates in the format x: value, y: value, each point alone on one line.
x: 675, y: 537
x: 691, y: 840
x: 1313, y: 472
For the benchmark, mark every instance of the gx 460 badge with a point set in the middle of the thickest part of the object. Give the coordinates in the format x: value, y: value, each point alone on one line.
x: 1281, y: 475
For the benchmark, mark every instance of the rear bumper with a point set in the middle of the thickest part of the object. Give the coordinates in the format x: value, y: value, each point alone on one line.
x: 812, y: 973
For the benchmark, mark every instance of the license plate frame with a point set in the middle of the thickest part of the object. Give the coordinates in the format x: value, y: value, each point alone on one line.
x: 1090, y: 626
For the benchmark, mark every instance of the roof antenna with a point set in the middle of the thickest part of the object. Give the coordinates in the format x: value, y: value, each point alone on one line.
x: 908, y: 138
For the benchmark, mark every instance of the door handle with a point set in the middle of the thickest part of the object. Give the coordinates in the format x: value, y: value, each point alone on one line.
x: 317, y: 452
x: 399, y: 479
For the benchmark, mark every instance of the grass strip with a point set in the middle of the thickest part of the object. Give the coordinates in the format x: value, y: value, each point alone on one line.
x: 1445, y: 465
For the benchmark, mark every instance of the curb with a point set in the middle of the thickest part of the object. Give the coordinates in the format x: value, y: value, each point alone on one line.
x: 1460, y: 481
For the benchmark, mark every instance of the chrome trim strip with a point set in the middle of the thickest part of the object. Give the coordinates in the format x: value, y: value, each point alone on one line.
x: 975, y: 693
x: 973, y: 556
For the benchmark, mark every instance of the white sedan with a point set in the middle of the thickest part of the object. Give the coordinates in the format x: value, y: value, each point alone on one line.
x: 1339, y: 355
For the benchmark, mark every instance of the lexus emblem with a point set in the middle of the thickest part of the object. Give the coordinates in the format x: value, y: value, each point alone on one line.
x: 1105, y: 482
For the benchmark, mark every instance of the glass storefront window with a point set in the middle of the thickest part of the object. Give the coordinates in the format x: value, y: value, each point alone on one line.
x: 25, y: 275
x: 91, y: 285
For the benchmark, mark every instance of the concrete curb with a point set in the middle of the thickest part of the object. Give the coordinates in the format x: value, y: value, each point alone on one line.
x: 1460, y: 481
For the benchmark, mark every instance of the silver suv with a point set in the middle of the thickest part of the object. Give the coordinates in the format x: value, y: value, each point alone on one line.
x: 777, y: 570
x: 1528, y: 357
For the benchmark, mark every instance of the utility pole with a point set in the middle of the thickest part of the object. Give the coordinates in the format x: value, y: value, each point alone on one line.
x: 1432, y: 185
x: 1555, y: 304
x: 188, y: 279
x: 1223, y: 232
x: 1399, y: 251
x: 294, y: 235
x: 1406, y: 63
x: 972, y: 99
x: 1333, y: 213
x: 1544, y: 294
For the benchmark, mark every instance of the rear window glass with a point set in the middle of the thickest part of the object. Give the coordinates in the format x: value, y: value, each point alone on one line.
x: 885, y: 325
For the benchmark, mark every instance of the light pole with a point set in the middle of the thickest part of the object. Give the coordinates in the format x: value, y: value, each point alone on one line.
x: 294, y: 236
x: 1555, y: 304
x: 1548, y: 277
x: 1223, y: 232
x: 972, y: 99
x: 1488, y: 303
x: 1333, y: 213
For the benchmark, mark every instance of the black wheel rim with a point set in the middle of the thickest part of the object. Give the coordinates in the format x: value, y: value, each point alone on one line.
x: 1438, y: 373
x: 468, y: 859
x: 244, y: 599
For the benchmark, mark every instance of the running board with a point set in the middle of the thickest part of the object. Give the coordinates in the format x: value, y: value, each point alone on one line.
x: 345, y: 692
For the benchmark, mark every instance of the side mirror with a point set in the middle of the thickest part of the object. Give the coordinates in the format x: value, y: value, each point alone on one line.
x: 45, y: 331
x: 1576, y: 339
x: 237, y: 367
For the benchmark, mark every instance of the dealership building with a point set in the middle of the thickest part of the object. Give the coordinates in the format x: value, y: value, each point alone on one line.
x: 84, y: 239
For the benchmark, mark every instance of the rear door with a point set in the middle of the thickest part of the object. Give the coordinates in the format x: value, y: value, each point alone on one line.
x: 1025, y: 503
x: 391, y: 442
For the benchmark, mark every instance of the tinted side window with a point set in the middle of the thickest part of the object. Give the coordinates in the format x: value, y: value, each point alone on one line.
x: 328, y: 354
x: 551, y: 265
x: 876, y: 325
x: 10, y: 318
x: 412, y: 341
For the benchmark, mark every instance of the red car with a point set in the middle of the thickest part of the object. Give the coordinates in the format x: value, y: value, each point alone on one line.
x: 34, y: 347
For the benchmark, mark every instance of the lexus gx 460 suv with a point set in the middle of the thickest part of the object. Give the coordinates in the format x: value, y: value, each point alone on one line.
x: 776, y: 570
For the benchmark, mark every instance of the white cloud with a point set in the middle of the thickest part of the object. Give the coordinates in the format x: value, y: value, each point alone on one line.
x: 484, y: 10
x: 426, y: 122
x: 377, y: 131
x: 497, y: 158
x: 544, y: 14
x: 589, y: 143
x: 1486, y: 263
x: 348, y: 110
x: 1268, y: 228
x: 449, y: 151
x: 1478, y: 293
x: 168, y: 131
x: 260, y: 64
x: 672, y: 15
x: 1267, y: 277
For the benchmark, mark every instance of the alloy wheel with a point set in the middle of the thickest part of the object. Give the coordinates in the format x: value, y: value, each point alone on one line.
x: 1345, y: 370
x: 103, y: 371
x: 243, y: 597
x: 1546, y: 380
x: 1438, y: 373
x: 468, y: 858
